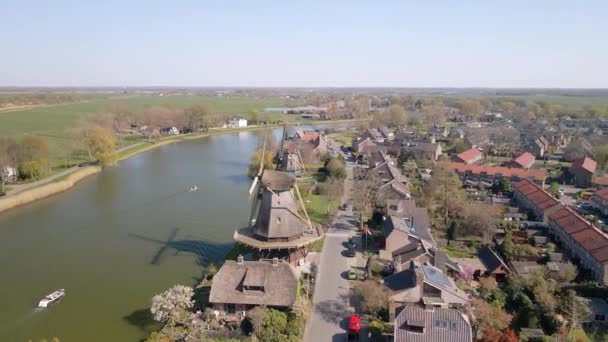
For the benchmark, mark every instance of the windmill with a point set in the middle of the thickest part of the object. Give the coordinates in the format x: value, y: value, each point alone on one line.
x: 273, y: 181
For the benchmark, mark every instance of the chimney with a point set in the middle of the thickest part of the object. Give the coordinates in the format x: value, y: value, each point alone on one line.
x: 240, y: 259
x: 275, y: 261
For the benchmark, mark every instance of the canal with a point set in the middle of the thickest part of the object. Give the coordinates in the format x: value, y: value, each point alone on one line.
x: 120, y: 237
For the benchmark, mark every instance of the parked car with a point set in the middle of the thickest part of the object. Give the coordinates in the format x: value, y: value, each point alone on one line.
x: 354, y: 326
x: 350, y: 252
x: 351, y: 243
x: 352, y: 274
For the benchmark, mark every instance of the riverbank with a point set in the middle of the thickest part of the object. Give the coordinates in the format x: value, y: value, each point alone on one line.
x: 47, y: 189
x: 51, y: 187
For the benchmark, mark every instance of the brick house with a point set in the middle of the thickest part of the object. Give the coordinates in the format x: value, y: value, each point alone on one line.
x: 470, y: 156
x: 535, y: 199
x: 582, y: 170
x: 586, y: 244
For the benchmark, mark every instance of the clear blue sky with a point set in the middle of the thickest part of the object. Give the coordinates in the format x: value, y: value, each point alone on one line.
x: 304, y: 43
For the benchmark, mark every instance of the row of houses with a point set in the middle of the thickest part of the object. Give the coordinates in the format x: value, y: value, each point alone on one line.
x: 404, y: 139
x: 586, y: 244
x: 487, y: 175
x: 424, y: 301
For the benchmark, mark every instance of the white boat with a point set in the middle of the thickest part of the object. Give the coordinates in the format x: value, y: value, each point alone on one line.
x: 193, y: 188
x: 51, y: 298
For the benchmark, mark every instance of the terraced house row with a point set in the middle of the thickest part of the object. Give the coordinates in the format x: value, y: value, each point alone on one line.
x: 586, y: 244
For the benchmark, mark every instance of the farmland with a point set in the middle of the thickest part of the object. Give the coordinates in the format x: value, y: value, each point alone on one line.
x: 54, y: 122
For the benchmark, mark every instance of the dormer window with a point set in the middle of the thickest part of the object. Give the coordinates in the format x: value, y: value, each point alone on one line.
x: 440, y: 323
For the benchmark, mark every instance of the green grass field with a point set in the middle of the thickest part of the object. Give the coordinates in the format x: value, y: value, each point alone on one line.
x: 54, y: 122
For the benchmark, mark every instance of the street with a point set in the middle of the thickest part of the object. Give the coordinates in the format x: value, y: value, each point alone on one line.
x: 328, y: 321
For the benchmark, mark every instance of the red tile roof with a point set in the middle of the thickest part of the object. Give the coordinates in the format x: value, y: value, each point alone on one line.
x: 525, y: 160
x: 536, y: 174
x: 601, y: 180
x: 594, y: 241
x: 469, y: 155
x: 307, y: 135
x: 585, y: 163
x: 535, y: 194
x: 603, y: 194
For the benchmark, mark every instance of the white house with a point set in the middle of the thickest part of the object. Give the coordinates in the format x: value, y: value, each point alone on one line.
x: 9, y: 174
x: 169, y: 131
x: 235, y: 122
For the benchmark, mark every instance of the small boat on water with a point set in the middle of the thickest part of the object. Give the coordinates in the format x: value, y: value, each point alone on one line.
x: 193, y: 188
x: 51, y: 298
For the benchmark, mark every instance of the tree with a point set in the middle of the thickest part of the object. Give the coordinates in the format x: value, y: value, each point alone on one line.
x: 460, y: 145
x: 334, y: 188
x: 601, y: 156
x: 452, y: 229
x: 256, y: 159
x: 172, y: 306
x: 489, y: 335
x: 554, y: 188
x: 101, y: 145
x: 447, y: 190
x: 470, y: 107
x: 254, y: 116
x: 572, y: 309
x: 197, y: 118
x: 395, y: 116
x: 31, y: 170
x: 567, y: 273
x: 506, y: 248
x: 336, y: 168
x: 505, y: 185
x: 365, y: 193
x: 480, y: 219
x: 273, y: 327
x: 256, y: 317
x: 34, y: 149
x: 373, y: 297
x: 301, y: 308
x: 489, y: 317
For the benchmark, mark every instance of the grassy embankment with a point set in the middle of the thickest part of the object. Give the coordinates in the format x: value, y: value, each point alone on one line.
x: 54, y: 122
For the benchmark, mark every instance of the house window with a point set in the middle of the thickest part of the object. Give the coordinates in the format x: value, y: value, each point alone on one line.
x: 454, y: 325
x: 414, y: 328
x: 599, y: 317
x: 440, y: 323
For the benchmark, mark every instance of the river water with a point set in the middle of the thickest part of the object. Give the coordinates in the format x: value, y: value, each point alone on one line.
x: 120, y: 237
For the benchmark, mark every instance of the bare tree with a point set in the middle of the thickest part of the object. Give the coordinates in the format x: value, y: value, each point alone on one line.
x: 480, y: 219
x: 365, y: 193
x: 446, y: 188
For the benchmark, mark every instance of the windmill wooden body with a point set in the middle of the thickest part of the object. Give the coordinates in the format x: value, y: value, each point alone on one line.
x: 279, y: 225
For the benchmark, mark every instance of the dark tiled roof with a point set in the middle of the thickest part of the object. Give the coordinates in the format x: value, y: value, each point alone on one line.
x: 491, y: 260
x: 438, y: 324
x: 415, y: 223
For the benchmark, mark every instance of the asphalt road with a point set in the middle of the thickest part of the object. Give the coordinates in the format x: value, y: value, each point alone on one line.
x: 328, y: 321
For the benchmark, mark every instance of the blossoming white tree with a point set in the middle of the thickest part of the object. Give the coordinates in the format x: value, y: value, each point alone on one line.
x: 172, y: 306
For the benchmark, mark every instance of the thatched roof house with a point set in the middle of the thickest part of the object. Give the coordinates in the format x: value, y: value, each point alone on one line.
x: 241, y: 285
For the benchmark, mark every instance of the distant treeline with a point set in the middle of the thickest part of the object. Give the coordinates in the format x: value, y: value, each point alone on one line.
x: 32, y: 99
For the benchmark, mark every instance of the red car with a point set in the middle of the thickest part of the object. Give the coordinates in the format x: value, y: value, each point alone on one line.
x: 354, y: 325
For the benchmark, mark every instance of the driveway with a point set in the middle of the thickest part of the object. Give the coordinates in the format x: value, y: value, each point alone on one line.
x: 331, y: 298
